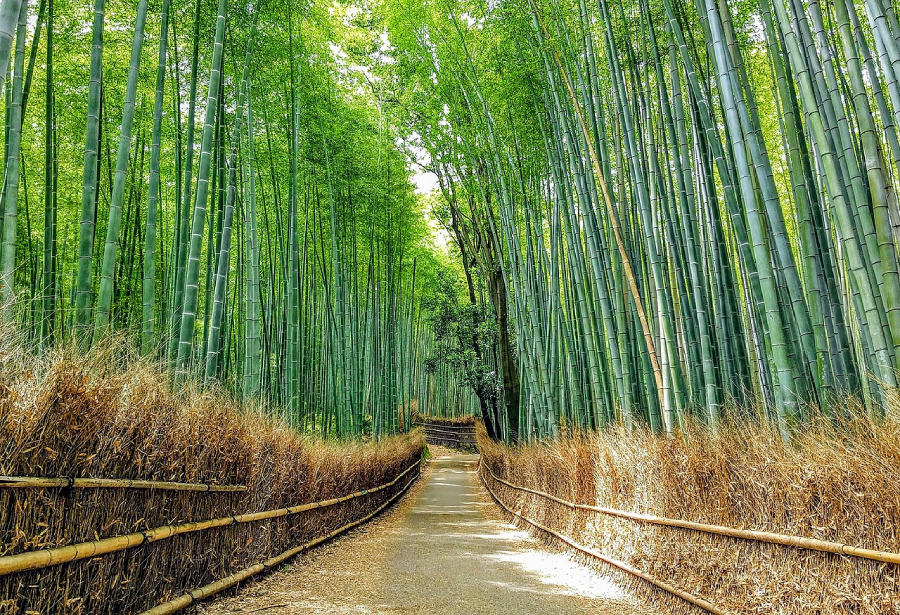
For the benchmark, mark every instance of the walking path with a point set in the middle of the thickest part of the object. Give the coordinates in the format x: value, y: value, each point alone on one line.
x: 443, y: 549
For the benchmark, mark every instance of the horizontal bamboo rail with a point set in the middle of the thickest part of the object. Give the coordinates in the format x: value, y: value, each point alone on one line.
x: 460, y: 436
x: 33, y: 560
x: 698, y: 602
x: 437, y: 436
x: 34, y: 482
x: 799, y: 542
x: 451, y: 433
x: 185, y: 600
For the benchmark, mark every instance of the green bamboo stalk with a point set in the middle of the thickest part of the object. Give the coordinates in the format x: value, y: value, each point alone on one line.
x: 110, y: 248
x: 192, y: 274
x: 148, y: 341
x: 9, y: 18
x: 10, y: 201
x: 183, y: 229
x: 48, y: 289
x: 89, y: 184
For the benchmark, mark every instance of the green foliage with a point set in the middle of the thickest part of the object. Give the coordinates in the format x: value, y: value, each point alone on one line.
x: 463, y: 335
x: 651, y: 209
x: 354, y: 284
x: 690, y: 203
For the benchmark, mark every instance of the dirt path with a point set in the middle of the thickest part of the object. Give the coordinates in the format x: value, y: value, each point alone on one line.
x: 444, y: 549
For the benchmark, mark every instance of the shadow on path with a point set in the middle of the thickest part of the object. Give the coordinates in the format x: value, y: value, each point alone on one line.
x: 456, y: 556
x: 445, y: 549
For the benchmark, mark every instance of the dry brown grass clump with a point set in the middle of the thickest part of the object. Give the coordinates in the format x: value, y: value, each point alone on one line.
x: 454, y: 421
x: 837, y: 483
x: 80, y: 418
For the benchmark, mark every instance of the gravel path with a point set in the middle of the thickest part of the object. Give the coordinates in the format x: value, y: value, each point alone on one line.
x: 443, y: 549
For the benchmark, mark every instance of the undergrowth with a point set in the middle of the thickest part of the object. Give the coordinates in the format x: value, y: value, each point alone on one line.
x: 835, y: 482
x: 108, y: 415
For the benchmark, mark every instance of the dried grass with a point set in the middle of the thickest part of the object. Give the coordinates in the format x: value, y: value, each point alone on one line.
x: 106, y: 416
x: 835, y: 482
x: 452, y: 421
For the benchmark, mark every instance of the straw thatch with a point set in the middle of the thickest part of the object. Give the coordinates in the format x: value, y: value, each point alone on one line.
x: 449, y: 421
x: 835, y: 482
x: 75, y: 419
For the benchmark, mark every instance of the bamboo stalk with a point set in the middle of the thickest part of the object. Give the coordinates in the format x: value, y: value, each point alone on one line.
x: 13, y: 482
x: 799, y: 542
x: 206, y: 591
x: 44, y: 558
x: 610, y: 209
x: 698, y: 602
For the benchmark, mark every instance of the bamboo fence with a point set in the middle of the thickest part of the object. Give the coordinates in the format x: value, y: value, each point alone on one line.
x: 698, y: 602
x: 215, y: 587
x: 460, y: 435
x: 35, y: 482
x: 799, y: 542
x: 33, y: 560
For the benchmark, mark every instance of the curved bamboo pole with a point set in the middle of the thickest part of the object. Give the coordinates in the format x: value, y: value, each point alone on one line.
x: 206, y: 591
x: 698, y: 602
x: 32, y: 560
x: 799, y: 542
x: 19, y: 482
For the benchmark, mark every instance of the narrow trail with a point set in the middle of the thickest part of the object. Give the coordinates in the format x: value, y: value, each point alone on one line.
x: 443, y: 549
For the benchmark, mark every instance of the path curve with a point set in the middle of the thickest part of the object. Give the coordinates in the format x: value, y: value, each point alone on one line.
x: 443, y: 549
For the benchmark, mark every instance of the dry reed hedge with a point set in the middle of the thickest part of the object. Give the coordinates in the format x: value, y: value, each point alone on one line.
x: 72, y: 418
x: 838, y: 483
x: 453, y: 421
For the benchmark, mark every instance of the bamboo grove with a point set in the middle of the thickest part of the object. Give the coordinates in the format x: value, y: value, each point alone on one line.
x: 654, y: 210
x: 202, y: 178
x: 692, y: 206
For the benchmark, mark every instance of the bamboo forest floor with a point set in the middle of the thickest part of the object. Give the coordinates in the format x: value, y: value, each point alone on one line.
x: 444, y: 549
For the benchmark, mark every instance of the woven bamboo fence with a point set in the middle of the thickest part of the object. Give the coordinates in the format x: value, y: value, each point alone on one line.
x: 666, y: 587
x: 201, y: 593
x: 799, y: 542
x: 33, y: 560
x: 735, y: 518
x: 444, y: 434
x: 170, y: 464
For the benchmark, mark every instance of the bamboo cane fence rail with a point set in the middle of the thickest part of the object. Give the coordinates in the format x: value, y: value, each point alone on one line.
x: 33, y: 560
x: 799, y: 542
x: 35, y: 482
x: 698, y: 602
x: 185, y: 600
x: 447, y: 428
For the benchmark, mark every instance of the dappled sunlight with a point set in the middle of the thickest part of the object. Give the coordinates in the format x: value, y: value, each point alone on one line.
x: 557, y: 569
x: 454, y: 543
